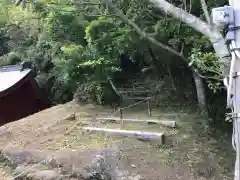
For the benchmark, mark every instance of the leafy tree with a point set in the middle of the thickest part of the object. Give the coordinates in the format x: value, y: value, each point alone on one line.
x: 94, y: 27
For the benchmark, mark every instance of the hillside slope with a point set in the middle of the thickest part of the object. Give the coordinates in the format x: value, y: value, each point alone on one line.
x: 189, y: 153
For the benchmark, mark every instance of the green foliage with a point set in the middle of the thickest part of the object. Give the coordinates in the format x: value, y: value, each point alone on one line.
x: 55, y: 42
x: 10, y: 59
x: 207, y: 64
x: 110, y: 38
x: 72, y: 43
x: 93, y: 91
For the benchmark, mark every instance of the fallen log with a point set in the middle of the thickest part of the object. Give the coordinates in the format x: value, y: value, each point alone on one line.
x: 126, y: 133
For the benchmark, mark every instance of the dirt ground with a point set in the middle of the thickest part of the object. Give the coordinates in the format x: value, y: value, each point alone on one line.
x: 190, y: 152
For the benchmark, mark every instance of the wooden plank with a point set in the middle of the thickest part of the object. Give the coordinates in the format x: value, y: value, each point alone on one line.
x: 132, y: 90
x: 125, y: 133
x: 136, y: 98
x: 174, y: 114
x: 137, y: 91
x: 166, y: 123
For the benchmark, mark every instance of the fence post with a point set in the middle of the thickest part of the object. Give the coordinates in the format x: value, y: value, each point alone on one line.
x: 149, y: 107
x: 121, y: 117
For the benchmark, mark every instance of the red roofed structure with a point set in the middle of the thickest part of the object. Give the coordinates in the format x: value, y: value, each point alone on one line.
x: 20, y: 95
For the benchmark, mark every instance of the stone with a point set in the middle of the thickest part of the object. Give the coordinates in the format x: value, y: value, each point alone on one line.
x: 45, y: 175
x: 23, y: 156
x: 4, y: 131
x: 98, y: 164
x: 22, y: 171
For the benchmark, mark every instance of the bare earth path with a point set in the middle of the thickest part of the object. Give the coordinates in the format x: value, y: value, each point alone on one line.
x: 189, y: 154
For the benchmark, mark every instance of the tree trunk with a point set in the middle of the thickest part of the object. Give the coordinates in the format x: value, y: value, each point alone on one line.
x: 154, y: 60
x: 171, y: 78
x: 201, y: 96
x: 214, y: 35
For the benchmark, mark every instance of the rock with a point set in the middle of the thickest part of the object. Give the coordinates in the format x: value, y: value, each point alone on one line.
x: 134, y: 166
x: 23, y: 156
x: 4, y: 131
x: 70, y: 117
x: 45, y: 175
x: 98, y: 164
x: 22, y: 171
x: 52, y: 162
x: 37, y: 172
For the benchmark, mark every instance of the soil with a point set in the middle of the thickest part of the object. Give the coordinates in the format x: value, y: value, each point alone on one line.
x: 190, y: 152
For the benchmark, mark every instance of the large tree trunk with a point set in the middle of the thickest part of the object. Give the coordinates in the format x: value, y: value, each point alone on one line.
x: 171, y: 78
x: 201, y: 95
x: 154, y: 60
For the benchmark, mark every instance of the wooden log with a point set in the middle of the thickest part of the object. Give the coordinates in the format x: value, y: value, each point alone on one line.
x: 135, y: 98
x: 174, y: 114
x: 125, y: 133
x: 166, y: 123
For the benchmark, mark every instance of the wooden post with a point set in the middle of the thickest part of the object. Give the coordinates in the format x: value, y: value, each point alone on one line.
x: 149, y: 107
x: 121, y: 117
x: 95, y: 118
x: 134, y: 90
x: 120, y: 100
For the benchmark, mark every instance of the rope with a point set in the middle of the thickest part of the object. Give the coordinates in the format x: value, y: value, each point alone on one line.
x: 135, y: 103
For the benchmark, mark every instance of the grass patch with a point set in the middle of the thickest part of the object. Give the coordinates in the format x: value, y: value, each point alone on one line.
x: 77, y: 139
x: 206, y: 155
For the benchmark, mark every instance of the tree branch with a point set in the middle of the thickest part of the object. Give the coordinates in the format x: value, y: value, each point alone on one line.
x: 205, y: 10
x: 214, y: 35
x: 191, y: 20
x: 206, y: 77
x: 142, y: 33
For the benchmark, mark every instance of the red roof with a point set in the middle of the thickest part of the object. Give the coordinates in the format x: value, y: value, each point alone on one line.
x: 11, y: 76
